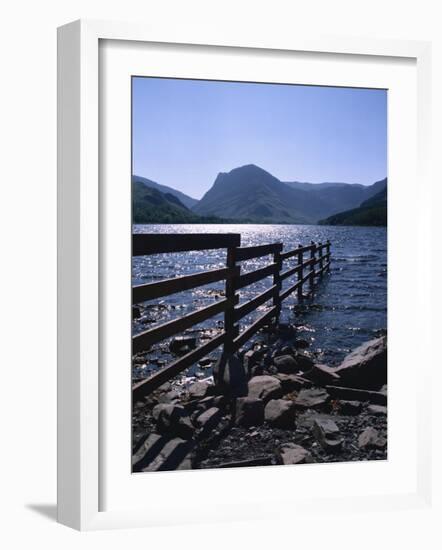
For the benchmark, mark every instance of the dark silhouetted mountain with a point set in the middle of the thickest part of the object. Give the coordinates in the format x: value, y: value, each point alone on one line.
x: 152, y: 206
x: 251, y: 192
x: 372, y: 211
x: 183, y: 198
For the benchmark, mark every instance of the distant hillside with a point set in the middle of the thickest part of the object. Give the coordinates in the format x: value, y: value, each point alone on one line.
x: 371, y: 212
x: 251, y: 192
x: 338, y: 196
x: 184, y: 199
x: 152, y: 206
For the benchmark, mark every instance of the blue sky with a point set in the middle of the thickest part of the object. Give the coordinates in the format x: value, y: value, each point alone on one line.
x: 187, y: 131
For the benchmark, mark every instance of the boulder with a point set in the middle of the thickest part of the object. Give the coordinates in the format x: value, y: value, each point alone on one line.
x: 294, y: 454
x: 312, y: 398
x: 199, y: 390
x: 327, y: 434
x: 280, y: 413
x: 286, y: 364
x: 161, y: 453
x: 173, y: 419
x: 209, y: 419
x: 292, y: 382
x: 370, y: 439
x: 182, y: 344
x: 230, y: 376
x: 322, y: 375
x: 355, y: 394
x: 249, y: 412
x: 366, y: 366
x: 351, y: 408
x: 264, y: 387
x: 377, y: 410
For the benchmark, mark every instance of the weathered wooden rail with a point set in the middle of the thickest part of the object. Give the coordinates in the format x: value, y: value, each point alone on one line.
x: 305, y: 274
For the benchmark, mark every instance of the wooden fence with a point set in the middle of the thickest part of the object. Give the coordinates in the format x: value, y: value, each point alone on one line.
x: 310, y: 263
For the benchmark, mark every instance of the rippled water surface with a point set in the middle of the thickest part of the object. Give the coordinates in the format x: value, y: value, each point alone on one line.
x: 349, y: 305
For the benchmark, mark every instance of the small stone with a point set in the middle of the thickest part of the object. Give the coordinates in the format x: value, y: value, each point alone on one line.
x: 377, y: 410
x: 294, y: 454
x: 327, y: 434
x: 205, y: 362
x: 182, y: 344
x: 265, y: 387
x: 280, y: 413
x: 199, y: 390
x: 312, y: 398
x: 249, y: 412
x: 370, y: 439
x: 350, y: 407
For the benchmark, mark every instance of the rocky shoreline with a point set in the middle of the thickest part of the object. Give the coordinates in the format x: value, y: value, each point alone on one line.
x: 272, y: 404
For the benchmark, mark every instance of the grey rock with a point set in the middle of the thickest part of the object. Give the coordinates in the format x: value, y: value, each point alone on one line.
x: 170, y: 397
x: 280, y: 413
x: 199, y: 390
x: 350, y: 407
x: 286, y: 364
x: 209, y: 419
x: 292, y: 382
x: 366, y: 366
x: 370, y: 439
x: 356, y: 394
x: 230, y: 376
x: 322, y: 375
x: 265, y: 387
x: 294, y: 454
x: 249, y: 412
x: 312, y: 398
x: 327, y: 434
x: 173, y: 419
x: 377, y: 410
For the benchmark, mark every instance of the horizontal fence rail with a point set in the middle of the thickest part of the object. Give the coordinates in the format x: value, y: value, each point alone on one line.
x: 310, y: 264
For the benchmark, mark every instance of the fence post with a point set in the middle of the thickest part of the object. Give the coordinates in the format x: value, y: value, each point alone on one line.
x: 321, y: 259
x: 300, y: 273
x: 312, y: 266
x: 328, y: 254
x: 277, y: 280
x: 229, y: 317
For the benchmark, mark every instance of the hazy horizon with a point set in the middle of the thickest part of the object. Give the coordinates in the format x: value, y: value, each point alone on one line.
x: 184, y: 132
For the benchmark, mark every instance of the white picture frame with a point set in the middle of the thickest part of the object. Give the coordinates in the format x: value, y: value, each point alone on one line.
x: 80, y: 261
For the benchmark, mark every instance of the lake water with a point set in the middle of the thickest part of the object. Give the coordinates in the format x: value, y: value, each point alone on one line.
x: 349, y: 305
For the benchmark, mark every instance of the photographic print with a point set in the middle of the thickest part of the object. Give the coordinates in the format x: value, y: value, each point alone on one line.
x: 259, y: 274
